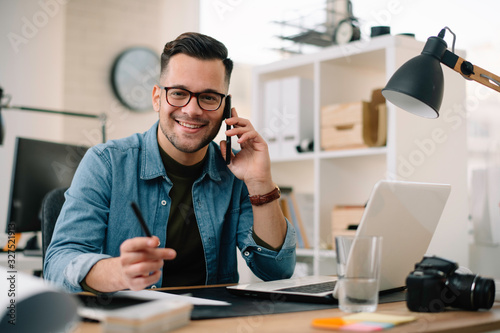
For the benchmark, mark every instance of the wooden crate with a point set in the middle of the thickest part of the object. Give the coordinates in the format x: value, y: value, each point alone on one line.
x: 354, y: 125
x: 342, y: 126
x: 342, y: 114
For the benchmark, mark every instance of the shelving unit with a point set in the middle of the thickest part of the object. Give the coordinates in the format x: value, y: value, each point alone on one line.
x: 417, y: 149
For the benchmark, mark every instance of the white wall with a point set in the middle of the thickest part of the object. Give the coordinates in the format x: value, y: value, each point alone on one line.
x: 96, y: 33
x: 30, y: 71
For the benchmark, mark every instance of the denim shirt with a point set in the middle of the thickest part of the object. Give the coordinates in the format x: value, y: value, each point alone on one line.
x: 96, y: 217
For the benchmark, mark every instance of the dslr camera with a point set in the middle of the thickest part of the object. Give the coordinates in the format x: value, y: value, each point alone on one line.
x: 435, y: 284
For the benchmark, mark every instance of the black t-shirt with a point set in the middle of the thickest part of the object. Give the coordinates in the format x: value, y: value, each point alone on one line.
x: 183, y: 235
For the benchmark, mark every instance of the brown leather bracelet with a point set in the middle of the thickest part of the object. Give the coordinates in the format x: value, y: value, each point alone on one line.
x: 259, y: 200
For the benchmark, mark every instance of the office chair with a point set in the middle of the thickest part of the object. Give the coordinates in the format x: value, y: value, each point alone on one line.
x: 51, y: 207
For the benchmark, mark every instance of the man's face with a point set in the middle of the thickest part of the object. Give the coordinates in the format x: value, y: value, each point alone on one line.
x: 185, y: 132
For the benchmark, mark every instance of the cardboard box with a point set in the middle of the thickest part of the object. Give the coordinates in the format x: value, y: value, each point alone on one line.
x: 343, y: 217
x: 375, y: 122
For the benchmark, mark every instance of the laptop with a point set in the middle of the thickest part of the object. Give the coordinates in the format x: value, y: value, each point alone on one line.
x: 405, y: 214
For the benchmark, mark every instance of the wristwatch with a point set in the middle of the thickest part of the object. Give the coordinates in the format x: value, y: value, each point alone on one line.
x: 259, y: 200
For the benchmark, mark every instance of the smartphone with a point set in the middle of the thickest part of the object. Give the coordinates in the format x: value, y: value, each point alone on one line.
x: 227, y: 114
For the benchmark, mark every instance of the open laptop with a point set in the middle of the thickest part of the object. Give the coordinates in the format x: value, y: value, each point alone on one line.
x: 405, y: 214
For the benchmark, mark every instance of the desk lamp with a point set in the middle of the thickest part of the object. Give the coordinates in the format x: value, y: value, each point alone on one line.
x: 418, y: 85
x: 101, y: 117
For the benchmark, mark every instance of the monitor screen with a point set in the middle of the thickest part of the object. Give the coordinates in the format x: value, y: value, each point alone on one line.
x: 39, y: 167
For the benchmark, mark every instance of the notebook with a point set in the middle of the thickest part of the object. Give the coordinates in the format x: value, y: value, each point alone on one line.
x: 405, y: 214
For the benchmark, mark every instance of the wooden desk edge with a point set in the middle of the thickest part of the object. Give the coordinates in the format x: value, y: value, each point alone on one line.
x: 451, y: 320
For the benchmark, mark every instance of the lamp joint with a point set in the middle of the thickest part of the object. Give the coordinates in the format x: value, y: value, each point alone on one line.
x: 467, y: 68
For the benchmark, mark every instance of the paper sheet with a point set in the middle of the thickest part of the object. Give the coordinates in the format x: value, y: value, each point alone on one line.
x: 151, y: 294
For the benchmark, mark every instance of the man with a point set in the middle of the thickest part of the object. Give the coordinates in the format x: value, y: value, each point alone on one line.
x: 198, y: 209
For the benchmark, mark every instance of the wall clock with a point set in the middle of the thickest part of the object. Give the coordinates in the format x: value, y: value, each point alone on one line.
x: 346, y: 31
x: 135, y: 71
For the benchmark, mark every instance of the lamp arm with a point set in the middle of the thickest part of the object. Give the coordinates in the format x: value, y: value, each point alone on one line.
x: 102, y: 117
x: 477, y: 74
x: 65, y: 113
x: 470, y: 71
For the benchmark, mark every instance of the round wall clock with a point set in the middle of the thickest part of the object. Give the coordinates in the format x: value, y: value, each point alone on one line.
x: 135, y: 71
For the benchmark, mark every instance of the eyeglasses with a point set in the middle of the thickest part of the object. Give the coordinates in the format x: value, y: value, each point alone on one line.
x: 179, y: 97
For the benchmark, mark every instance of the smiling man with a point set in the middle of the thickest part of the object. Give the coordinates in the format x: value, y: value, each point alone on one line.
x: 199, y: 209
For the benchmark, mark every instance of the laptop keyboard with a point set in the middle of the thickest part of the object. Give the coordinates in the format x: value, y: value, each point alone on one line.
x: 316, y: 288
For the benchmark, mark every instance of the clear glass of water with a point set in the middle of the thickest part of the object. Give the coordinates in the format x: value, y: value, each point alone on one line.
x: 358, y: 268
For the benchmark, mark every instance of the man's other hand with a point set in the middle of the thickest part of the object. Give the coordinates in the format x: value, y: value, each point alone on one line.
x: 141, y: 261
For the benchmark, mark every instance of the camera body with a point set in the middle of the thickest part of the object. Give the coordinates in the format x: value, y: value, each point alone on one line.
x: 435, y: 284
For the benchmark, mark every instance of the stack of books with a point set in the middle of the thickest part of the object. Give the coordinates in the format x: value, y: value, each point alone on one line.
x: 161, y: 316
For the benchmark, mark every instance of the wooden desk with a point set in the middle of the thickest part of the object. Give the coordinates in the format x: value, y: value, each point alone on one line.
x: 300, y: 322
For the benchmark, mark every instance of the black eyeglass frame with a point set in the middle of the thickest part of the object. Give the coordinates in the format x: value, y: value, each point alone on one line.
x: 191, y: 94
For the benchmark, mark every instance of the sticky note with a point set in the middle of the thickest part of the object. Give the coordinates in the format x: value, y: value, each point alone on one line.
x: 361, y: 322
x: 366, y: 326
x: 381, y: 318
x: 329, y: 323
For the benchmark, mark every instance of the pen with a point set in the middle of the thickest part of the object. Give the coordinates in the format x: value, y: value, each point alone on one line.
x: 140, y: 218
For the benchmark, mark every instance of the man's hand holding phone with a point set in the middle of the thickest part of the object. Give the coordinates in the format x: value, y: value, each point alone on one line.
x: 252, y: 163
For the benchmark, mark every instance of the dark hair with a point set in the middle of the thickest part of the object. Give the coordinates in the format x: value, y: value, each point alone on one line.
x: 198, y: 46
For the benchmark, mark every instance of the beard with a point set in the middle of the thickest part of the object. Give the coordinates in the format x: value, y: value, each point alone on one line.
x: 187, y: 145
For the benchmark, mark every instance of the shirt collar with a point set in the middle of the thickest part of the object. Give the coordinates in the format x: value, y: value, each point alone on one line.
x: 212, y: 167
x: 151, y: 164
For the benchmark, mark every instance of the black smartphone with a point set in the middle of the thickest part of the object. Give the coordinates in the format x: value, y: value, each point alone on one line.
x: 227, y: 114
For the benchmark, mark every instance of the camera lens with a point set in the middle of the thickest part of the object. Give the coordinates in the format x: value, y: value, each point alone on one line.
x: 472, y: 291
x: 484, y: 293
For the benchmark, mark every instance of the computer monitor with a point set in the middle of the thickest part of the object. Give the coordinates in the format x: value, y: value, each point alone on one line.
x: 39, y: 167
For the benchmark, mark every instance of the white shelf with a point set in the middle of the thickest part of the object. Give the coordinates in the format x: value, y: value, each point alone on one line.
x: 332, y: 154
x: 305, y: 252
x: 310, y: 252
x: 299, y: 157
x: 327, y: 254
x: 350, y: 73
x: 353, y: 152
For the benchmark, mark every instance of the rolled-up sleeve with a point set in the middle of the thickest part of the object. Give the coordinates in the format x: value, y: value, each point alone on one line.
x: 266, y: 264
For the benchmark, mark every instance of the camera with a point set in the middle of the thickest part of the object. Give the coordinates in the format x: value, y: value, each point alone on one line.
x: 435, y: 284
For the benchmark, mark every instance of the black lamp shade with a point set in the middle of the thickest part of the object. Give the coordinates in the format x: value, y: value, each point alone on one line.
x: 417, y: 86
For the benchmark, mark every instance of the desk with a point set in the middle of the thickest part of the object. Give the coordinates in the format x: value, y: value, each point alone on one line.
x: 300, y: 322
